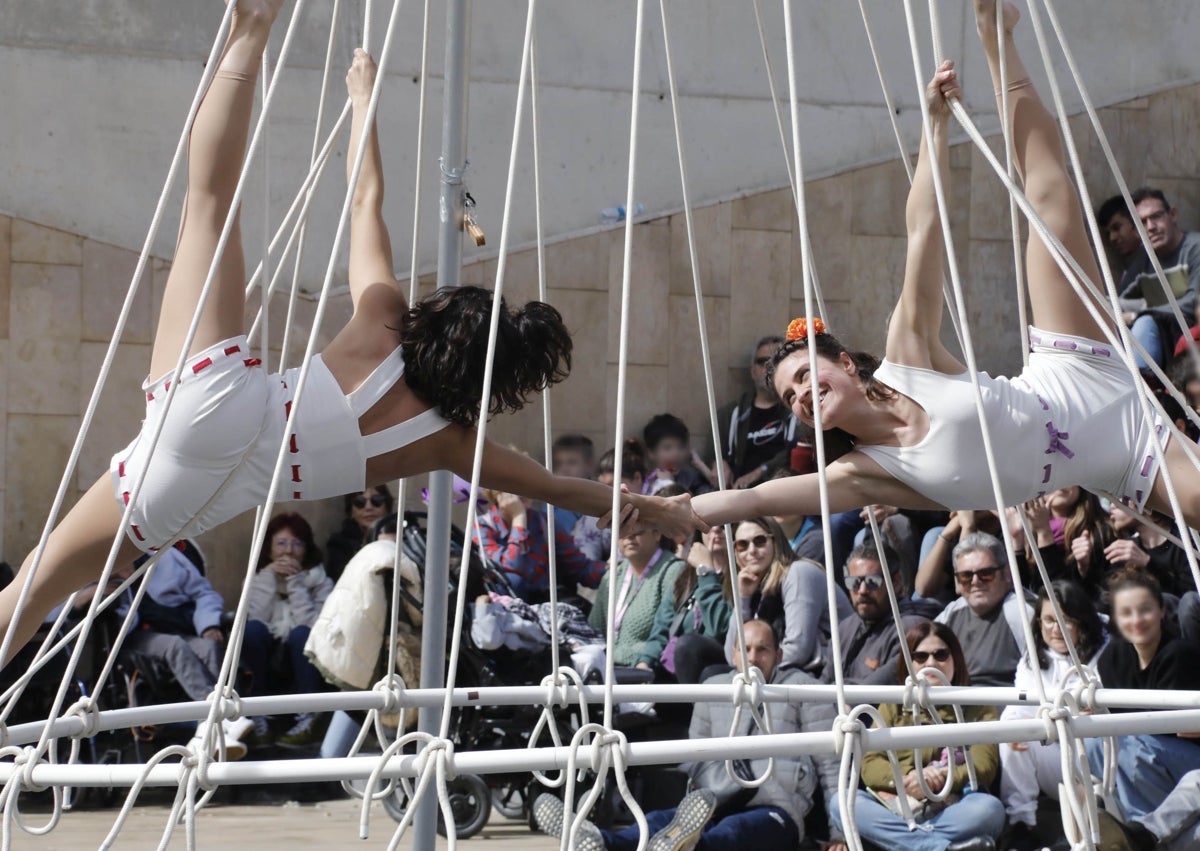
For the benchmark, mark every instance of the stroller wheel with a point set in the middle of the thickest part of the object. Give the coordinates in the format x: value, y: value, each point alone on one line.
x: 470, y: 802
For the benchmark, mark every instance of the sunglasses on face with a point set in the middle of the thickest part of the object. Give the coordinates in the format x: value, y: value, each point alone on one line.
x: 984, y: 575
x: 873, y: 582
x: 376, y: 500
x: 759, y: 541
x: 922, y: 656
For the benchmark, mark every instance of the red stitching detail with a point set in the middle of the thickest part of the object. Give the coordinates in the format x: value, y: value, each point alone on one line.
x: 287, y: 409
x: 137, y: 532
x: 296, y: 495
x: 233, y: 350
x: 294, y: 447
x: 121, y: 469
x: 296, y: 473
x: 204, y: 364
x: 149, y: 397
x: 125, y: 496
x: 253, y: 361
x: 167, y: 387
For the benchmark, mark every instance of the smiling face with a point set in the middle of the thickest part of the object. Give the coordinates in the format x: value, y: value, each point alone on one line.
x: 835, y: 387
x: 1121, y: 235
x: 981, y: 581
x: 1052, y: 633
x: 755, y: 550
x: 1138, y: 616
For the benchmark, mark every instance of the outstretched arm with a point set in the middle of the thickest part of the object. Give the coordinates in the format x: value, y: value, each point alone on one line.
x: 370, y: 245
x: 914, y: 333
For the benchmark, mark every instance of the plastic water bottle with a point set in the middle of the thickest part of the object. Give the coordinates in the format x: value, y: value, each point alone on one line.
x: 612, y: 215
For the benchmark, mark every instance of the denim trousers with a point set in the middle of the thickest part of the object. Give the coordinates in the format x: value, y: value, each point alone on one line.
x: 756, y: 828
x: 977, y: 814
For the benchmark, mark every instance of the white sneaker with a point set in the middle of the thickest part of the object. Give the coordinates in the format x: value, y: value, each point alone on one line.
x: 234, y: 748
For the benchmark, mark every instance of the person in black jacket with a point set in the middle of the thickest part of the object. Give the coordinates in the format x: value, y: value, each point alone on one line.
x: 363, y: 511
x: 757, y: 431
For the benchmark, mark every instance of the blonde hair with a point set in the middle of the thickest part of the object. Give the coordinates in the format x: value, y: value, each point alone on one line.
x: 783, y: 556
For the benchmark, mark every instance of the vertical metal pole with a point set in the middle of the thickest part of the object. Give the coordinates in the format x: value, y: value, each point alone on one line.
x: 450, y: 234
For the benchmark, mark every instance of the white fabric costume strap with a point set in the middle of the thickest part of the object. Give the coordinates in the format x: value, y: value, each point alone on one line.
x: 402, y: 434
x: 380, y: 381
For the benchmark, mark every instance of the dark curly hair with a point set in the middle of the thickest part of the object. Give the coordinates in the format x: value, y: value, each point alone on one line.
x: 444, y: 342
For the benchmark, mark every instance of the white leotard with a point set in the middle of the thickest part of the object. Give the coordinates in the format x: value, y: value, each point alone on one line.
x: 221, y: 441
x: 1071, y: 417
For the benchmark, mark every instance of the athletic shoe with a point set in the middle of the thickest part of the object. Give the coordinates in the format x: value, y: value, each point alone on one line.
x: 304, y: 732
x: 238, y: 728
x: 260, y: 735
x: 234, y: 748
x: 548, y: 813
x: 691, y: 817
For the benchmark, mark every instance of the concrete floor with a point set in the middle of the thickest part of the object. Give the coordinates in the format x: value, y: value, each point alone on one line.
x: 328, y: 824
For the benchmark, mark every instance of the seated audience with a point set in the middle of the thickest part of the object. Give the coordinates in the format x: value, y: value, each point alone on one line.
x: 1144, y: 656
x: 1140, y: 545
x: 1174, y: 824
x: 512, y: 534
x: 285, y: 599
x: 633, y: 466
x: 671, y: 459
x: 790, y: 595
x: 644, y: 577
x: 1073, y: 519
x: 803, y: 531
x: 719, y: 814
x: 971, y: 819
x: 987, y: 618
x: 692, y: 620
x: 363, y: 511
x: 934, y: 579
x: 1032, y: 768
x: 1121, y: 239
x: 574, y: 455
x: 869, y: 638
x: 757, y: 431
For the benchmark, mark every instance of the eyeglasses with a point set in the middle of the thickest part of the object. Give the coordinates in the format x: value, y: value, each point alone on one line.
x: 762, y: 361
x: 289, y: 543
x: 377, y: 500
x: 922, y: 656
x: 873, y: 582
x: 1155, y: 217
x: 984, y: 575
x: 759, y: 541
x: 1051, y: 623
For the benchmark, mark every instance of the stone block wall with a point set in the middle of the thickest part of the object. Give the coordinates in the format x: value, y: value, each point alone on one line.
x: 60, y: 294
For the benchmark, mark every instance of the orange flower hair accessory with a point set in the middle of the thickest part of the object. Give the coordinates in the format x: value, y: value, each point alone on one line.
x: 798, y: 328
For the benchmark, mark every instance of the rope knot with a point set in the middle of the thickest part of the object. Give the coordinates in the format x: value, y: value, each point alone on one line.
x: 391, y: 688
x: 88, y: 713
x: 227, y: 703
x: 846, y: 727
x: 26, y: 761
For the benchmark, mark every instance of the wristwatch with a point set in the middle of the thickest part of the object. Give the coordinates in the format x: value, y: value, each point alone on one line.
x: 705, y: 569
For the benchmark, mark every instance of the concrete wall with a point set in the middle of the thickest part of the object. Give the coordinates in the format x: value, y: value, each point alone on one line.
x: 60, y: 292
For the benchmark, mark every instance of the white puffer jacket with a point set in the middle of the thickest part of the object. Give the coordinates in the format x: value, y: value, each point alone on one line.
x: 348, y: 636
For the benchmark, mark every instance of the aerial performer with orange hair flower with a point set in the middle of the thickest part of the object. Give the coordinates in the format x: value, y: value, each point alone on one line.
x: 1072, y: 417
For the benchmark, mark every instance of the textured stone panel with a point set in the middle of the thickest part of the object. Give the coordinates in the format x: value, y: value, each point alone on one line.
x: 877, y: 268
x: 647, y: 394
x: 774, y: 210
x: 762, y: 285
x: 988, y: 199
x: 577, y: 404
x: 687, y: 397
x: 1173, y: 120
x: 992, y: 308
x: 878, y: 201
x: 5, y: 274
x: 36, y: 244
x: 649, y: 341
x: 712, y: 231
x: 45, y: 339
x: 580, y: 264
x: 36, y: 452
x: 830, y: 209
x: 107, y: 272
x: 121, y: 406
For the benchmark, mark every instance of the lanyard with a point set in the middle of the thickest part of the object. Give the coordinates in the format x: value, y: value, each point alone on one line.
x: 625, y: 599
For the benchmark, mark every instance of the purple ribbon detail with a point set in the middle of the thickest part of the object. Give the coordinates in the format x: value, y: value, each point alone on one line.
x: 1056, y: 441
x: 1066, y: 344
x: 1042, y: 402
x: 1045, y: 475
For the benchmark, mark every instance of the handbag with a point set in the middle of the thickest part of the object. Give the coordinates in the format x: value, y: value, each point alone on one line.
x: 667, y: 658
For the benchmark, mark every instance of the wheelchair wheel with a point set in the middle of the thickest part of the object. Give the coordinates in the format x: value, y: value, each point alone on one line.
x: 470, y: 802
x: 509, y: 799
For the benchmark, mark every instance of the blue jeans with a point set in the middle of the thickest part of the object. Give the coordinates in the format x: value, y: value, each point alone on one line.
x: 977, y: 814
x: 1148, y: 769
x: 759, y: 827
x: 1145, y: 331
x: 257, y: 650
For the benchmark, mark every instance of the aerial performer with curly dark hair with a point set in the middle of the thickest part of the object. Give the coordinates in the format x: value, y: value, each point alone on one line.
x: 395, y: 394
x: 1072, y: 417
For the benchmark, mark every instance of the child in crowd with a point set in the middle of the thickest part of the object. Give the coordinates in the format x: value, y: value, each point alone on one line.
x: 671, y: 458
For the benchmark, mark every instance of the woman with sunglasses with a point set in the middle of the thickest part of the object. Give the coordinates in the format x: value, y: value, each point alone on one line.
x: 363, y: 511
x: 1030, y: 768
x: 971, y: 820
x: 286, y: 596
x: 786, y: 592
x: 396, y: 392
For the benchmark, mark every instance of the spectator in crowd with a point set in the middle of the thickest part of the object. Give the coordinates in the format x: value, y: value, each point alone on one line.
x: 869, y: 638
x: 363, y: 511
x: 513, y: 536
x: 1032, y: 768
x: 644, y: 577
x: 1073, y: 519
x: 692, y: 620
x: 1121, y: 239
x: 1142, y: 546
x: 757, y: 431
x: 1174, y: 824
x: 671, y: 459
x: 1178, y: 252
x: 788, y: 594
x: 1145, y: 656
x: 286, y: 596
x: 803, y: 531
x: 633, y: 466
x: 719, y: 814
x: 987, y: 617
x: 972, y: 819
x: 574, y: 455
x: 934, y: 579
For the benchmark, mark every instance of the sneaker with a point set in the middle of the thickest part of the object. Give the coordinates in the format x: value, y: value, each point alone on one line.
x: 683, y: 833
x: 1021, y: 838
x: 304, y: 732
x: 238, y: 728
x: 260, y: 734
x: 548, y: 813
x: 1127, y: 836
x: 234, y: 748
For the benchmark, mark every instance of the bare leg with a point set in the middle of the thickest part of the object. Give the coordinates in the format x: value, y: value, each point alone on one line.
x: 215, y: 154
x: 1186, y: 479
x: 1042, y: 164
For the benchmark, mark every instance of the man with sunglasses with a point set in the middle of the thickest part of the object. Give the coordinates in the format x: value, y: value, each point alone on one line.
x: 870, y: 641
x: 758, y: 431
x: 987, y: 616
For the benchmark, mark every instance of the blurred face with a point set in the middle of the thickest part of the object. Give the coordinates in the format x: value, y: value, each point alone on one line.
x: 755, y: 550
x: 1138, y: 616
x: 1121, y: 521
x: 1052, y: 634
x: 368, y: 508
x: 981, y: 582
x: 932, y: 652
x: 1160, y: 225
x: 761, y: 651
x: 285, y: 544
x: 639, y: 547
x: 834, y: 387
x: 1121, y: 235
x: 1063, y: 501
x: 573, y: 463
x: 758, y: 367
x: 868, y: 592
x: 671, y: 454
